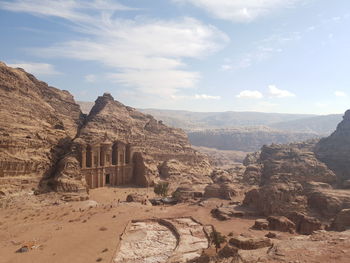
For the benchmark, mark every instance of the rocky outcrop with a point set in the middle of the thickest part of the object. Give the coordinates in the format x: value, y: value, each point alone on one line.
x: 250, y: 243
x: 224, y: 191
x: 252, y: 174
x: 341, y: 221
x: 37, y: 124
x: 335, y: 150
x: 43, y: 131
x: 304, y: 224
x: 291, y: 179
x: 276, y: 199
x: 164, y: 152
x: 294, y: 162
x: 328, y: 202
x: 281, y: 223
x: 261, y: 224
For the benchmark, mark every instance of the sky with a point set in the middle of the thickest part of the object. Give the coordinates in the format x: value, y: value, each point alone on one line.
x: 287, y: 56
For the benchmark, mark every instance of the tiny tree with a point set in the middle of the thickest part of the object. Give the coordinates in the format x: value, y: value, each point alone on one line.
x: 217, y: 239
x: 162, y: 189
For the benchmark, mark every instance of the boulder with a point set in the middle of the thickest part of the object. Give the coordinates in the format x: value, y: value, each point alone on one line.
x: 341, y: 221
x: 136, y: 197
x: 271, y: 235
x: 222, y: 191
x: 281, y: 223
x: 250, y: 243
x: 261, y: 224
x: 304, y: 224
x: 221, y: 213
x: 185, y: 193
x: 228, y: 251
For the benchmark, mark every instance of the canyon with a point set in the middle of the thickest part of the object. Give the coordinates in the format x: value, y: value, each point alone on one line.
x: 80, y: 186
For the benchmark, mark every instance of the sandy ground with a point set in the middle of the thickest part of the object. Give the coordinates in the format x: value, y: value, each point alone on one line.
x: 82, y: 232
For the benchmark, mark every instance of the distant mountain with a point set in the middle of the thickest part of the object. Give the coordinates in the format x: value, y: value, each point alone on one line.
x: 189, y: 121
x: 243, y: 131
x: 322, y: 125
x: 247, y: 139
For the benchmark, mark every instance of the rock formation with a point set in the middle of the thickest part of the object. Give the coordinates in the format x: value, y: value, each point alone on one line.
x: 38, y: 123
x: 43, y: 134
x: 301, y: 178
x: 162, y: 151
x: 335, y: 151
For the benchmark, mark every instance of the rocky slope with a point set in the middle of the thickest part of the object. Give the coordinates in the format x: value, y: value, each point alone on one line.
x: 300, y: 177
x: 42, y: 128
x: 335, y: 151
x: 37, y: 124
x: 157, y: 143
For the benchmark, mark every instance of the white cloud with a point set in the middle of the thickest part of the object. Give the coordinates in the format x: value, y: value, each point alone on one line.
x: 145, y: 54
x: 340, y: 93
x: 160, y: 82
x: 36, y: 68
x: 195, y: 97
x: 90, y: 78
x: 250, y: 94
x: 240, y: 10
x: 279, y: 93
x: 206, y: 97
x: 67, y: 9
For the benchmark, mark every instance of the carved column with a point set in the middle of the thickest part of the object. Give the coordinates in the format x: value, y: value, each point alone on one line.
x: 108, y: 155
x: 98, y: 152
x: 103, y: 155
x: 83, y: 156
x: 92, y: 181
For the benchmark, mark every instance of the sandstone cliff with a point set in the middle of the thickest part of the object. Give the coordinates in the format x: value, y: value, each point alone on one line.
x: 42, y: 129
x: 158, y: 145
x: 37, y: 123
x: 293, y: 178
x: 335, y: 151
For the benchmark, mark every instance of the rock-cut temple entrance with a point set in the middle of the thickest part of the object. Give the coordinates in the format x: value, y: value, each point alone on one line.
x: 107, y: 163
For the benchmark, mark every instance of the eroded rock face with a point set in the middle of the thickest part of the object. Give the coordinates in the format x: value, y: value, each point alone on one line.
x: 335, y: 150
x: 223, y: 191
x: 164, y: 151
x: 37, y: 122
x: 281, y: 223
x: 341, y: 221
x: 293, y: 162
x: 43, y: 131
x: 276, y: 199
x: 248, y: 243
x: 291, y: 179
x: 304, y: 224
x: 328, y: 202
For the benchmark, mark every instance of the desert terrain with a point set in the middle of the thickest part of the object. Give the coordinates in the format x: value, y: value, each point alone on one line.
x: 89, y: 231
x: 117, y: 185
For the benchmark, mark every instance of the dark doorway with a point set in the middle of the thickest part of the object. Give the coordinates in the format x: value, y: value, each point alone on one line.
x: 108, y: 179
